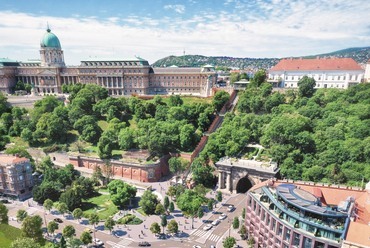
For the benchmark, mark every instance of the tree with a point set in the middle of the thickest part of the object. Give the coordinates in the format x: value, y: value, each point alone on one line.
x: 251, y: 242
x: 175, y: 101
x: 52, y: 226
x: 210, y: 204
x: 109, y: 224
x: 121, y: 192
x: 86, y: 238
x: 259, y: 78
x: 148, y: 202
x: 200, y: 213
x: 107, y: 172
x: 243, y: 213
x: 189, y: 202
x: 177, y: 165
x: 25, y: 243
x: 21, y: 215
x: 3, y: 214
x: 62, y: 208
x: 159, y: 209
x: 229, y: 242
x: 77, y: 213
x: 188, y: 137
x: 93, y: 220
x: 69, y: 231
x: 97, y: 175
x: 306, y: 86
x: 166, y: 202
x: 173, y: 226
x: 126, y: 138
x: 236, y: 222
x: 71, y: 197
x: 48, y: 204
x: 155, y: 228
x: 163, y: 221
x: 31, y: 228
x: 219, y: 99
x: 171, y: 208
x: 219, y: 196
x: 243, y: 232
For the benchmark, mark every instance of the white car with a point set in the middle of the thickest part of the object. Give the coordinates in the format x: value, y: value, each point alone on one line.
x: 207, y: 227
x: 230, y: 208
x: 216, y: 222
x: 222, y: 216
x: 196, y: 246
x: 97, y: 242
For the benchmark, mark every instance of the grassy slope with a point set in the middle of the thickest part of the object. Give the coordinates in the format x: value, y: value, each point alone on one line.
x: 8, y: 234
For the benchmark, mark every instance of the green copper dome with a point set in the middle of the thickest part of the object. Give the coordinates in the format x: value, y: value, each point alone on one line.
x: 50, y: 40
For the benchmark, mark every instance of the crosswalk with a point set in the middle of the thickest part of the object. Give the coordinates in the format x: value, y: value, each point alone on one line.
x: 122, y: 244
x: 202, y: 233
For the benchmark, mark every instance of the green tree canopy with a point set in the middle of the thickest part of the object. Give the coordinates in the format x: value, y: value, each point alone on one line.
x: 121, y: 192
x: 148, y: 202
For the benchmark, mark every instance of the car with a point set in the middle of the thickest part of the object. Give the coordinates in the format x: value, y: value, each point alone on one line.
x: 88, y: 230
x: 4, y: 201
x: 212, y: 246
x: 58, y: 220
x: 162, y: 236
x: 215, y: 222
x: 230, y: 208
x: 97, y: 242
x: 196, y: 246
x: 144, y: 243
x: 207, y: 227
x: 222, y: 217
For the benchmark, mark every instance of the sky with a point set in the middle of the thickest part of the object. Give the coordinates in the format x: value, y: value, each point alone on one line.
x: 154, y: 29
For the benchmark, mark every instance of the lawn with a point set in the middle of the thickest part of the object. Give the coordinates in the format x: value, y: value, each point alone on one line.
x: 190, y: 99
x: 8, y: 234
x: 101, y: 204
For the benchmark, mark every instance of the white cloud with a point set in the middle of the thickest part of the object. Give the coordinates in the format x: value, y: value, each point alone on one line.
x: 286, y: 29
x: 176, y: 7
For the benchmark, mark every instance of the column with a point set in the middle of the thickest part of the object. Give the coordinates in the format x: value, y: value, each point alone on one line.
x: 219, y: 180
x: 228, y: 179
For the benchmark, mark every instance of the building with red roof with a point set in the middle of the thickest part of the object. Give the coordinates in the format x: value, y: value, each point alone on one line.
x: 327, y: 72
x: 304, y: 214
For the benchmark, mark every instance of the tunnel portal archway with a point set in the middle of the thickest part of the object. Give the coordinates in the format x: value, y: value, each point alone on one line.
x: 243, y: 185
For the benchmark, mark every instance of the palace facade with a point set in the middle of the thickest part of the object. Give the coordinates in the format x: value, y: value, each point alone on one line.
x: 121, y: 77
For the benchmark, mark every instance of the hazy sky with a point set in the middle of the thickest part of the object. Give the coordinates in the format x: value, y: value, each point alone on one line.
x: 153, y: 29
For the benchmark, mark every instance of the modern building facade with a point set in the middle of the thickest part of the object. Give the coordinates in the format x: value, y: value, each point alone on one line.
x: 120, y: 76
x: 328, y: 72
x: 301, y: 214
x: 15, y: 176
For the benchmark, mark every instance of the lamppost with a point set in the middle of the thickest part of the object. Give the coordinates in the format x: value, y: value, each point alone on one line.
x: 46, y: 225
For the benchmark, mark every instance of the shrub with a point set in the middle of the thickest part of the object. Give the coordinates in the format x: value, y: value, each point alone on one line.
x: 129, y: 219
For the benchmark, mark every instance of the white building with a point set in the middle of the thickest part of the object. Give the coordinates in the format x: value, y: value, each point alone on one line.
x: 327, y: 72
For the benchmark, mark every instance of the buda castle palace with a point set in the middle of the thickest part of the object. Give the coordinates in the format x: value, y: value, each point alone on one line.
x: 121, y: 77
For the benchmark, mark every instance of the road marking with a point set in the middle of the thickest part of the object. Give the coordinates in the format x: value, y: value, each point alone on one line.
x: 122, y: 244
x: 214, y: 237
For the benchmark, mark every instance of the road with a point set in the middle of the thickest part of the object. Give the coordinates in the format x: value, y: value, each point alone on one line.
x: 128, y: 237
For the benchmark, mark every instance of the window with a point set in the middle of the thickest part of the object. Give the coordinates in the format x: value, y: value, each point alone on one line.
x: 296, y: 239
x: 287, y: 235
x: 307, y: 242
x: 280, y: 229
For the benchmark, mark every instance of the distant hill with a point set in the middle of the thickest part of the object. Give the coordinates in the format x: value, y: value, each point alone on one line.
x: 360, y: 54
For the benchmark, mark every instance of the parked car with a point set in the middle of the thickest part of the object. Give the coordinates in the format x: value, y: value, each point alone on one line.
x: 222, y: 216
x: 207, y: 227
x: 196, y: 246
x: 58, y: 220
x: 230, y: 208
x: 88, y: 230
x: 162, y: 236
x: 4, y: 201
x: 144, y: 243
x: 97, y: 242
x: 215, y: 222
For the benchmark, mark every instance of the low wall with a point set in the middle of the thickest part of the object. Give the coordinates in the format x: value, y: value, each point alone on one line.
x: 133, y: 171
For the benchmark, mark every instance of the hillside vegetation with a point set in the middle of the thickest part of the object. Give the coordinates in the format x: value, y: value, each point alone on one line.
x: 318, y: 135
x: 360, y: 55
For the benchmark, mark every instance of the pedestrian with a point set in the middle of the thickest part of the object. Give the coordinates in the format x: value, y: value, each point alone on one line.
x: 144, y: 226
x: 139, y: 236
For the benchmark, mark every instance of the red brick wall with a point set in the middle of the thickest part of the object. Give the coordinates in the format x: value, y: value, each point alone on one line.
x: 133, y: 172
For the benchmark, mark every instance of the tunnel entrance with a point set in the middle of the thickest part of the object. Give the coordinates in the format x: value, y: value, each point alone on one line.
x: 243, y: 185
